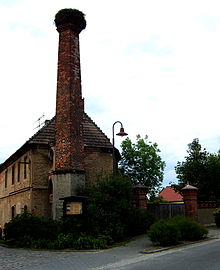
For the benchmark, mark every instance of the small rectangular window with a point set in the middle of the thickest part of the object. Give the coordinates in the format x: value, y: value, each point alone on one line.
x: 13, y: 211
x: 18, y: 175
x: 6, y: 178
x: 25, y: 209
x: 25, y: 167
x: 13, y: 175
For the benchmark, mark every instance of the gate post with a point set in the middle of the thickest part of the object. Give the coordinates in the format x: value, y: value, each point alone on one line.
x: 190, y: 201
x: 139, y: 198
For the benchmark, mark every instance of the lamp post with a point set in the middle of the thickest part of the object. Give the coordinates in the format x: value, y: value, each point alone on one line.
x: 121, y: 133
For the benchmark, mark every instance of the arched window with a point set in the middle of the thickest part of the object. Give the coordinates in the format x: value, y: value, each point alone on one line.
x: 50, y: 191
x: 25, y: 209
x: 13, y: 211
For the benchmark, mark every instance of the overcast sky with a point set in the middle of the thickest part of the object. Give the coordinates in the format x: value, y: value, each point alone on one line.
x: 153, y: 65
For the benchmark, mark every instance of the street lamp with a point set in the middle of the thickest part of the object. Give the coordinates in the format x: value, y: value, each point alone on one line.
x: 121, y: 133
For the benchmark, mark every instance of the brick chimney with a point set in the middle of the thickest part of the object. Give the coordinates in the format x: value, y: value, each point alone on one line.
x: 69, y: 148
x: 69, y: 145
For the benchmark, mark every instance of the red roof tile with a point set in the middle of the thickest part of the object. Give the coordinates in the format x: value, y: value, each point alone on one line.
x: 170, y: 195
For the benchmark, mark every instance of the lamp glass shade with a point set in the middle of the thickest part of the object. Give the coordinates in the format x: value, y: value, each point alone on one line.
x: 122, y: 132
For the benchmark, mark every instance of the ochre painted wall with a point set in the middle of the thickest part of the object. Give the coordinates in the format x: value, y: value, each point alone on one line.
x: 33, y: 191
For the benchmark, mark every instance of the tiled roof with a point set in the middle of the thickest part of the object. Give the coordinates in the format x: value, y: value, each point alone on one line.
x: 93, y: 136
x: 170, y: 195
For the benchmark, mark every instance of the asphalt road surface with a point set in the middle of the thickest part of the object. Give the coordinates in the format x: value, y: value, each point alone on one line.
x: 204, y: 256
x: 199, y: 256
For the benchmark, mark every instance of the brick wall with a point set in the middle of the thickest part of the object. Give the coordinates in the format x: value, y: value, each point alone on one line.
x: 41, y: 167
x: 40, y: 203
x: 18, y: 201
x: 205, y: 211
x: 97, y: 162
x: 33, y: 190
x: 19, y: 179
x: 31, y: 170
x: 190, y: 200
x: 69, y: 104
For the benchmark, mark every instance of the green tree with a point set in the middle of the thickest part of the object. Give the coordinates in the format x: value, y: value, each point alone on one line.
x: 200, y: 169
x: 192, y: 170
x: 210, y: 188
x: 110, y: 211
x: 108, y: 205
x: 142, y: 163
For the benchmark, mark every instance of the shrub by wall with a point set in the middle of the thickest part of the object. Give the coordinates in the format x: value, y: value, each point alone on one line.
x: 108, y: 206
x: 138, y: 221
x: 171, y: 231
x: 28, y: 231
x: 190, y: 230
x: 25, y: 227
x: 109, y: 218
x: 164, y: 233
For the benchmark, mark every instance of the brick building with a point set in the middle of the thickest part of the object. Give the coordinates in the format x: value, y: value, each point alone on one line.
x: 69, y: 150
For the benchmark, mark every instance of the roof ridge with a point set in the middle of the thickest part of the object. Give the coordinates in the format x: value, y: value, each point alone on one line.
x: 48, y: 123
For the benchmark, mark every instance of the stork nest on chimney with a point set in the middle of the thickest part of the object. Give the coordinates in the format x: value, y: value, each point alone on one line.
x: 70, y: 16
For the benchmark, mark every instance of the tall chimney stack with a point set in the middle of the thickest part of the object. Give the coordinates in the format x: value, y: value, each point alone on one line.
x: 69, y: 145
x: 69, y: 103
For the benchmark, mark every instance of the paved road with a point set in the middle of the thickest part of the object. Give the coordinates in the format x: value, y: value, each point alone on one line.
x: 47, y: 260
x: 199, y: 257
x: 126, y: 257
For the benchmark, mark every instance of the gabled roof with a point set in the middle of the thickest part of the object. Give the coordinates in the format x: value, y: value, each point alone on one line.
x: 93, y: 137
x: 170, y: 195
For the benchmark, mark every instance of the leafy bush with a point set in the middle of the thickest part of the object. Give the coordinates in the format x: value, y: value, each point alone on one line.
x: 75, y: 225
x: 108, y: 206
x: 190, y: 230
x: 108, y: 218
x: 139, y: 221
x: 164, y: 233
x: 63, y: 241
x: 25, y: 242
x: 170, y: 231
x: 90, y: 242
x: 217, y: 217
x: 39, y: 244
x: 25, y: 228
